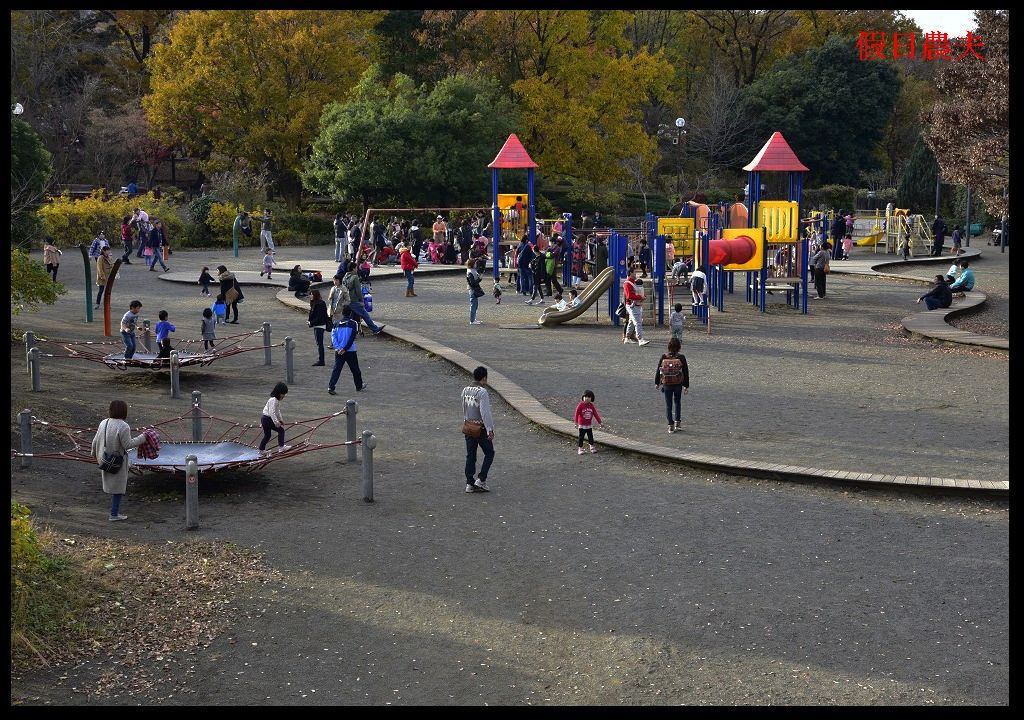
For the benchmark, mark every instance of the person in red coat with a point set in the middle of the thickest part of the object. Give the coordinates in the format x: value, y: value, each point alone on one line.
x: 408, y: 264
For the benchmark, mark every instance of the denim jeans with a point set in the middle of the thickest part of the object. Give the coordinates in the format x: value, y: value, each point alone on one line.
x: 340, y: 245
x: 408, y: 280
x: 360, y: 310
x: 352, y: 359
x: 99, y: 293
x: 115, y: 504
x: 487, y: 446
x: 672, y: 392
x: 157, y: 258
x: 129, y: 344
x: 474, y: 302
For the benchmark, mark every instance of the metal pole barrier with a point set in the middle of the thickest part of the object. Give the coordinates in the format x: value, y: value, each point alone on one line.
x: 146, y: 336
x: 289, y: 359
x: 266, y: 343
x: 30, y: 342
x: 351, y: 409
x: 25, y: 420
x: 33, y: 369
x: 175, y: 386
x: 88, y: 282
x: 197, y: 419
x: 191, y: 492
x: 369, y: 443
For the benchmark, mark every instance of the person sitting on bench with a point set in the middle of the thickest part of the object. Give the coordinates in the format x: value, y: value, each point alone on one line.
x: 298, y: 282
x: 964, y: 283
x: 939, y: 296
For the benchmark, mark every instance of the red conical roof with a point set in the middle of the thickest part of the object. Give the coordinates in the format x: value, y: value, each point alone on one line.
x: 513, y: 155
x: 776, y: 156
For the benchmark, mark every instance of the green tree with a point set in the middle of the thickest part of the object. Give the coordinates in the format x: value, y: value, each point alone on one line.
x: 394, y: 142
x: 831, y: 107
x: 30, y: 283
x: 916, y: 187
x: 251, y: 84
x: 30, y: 173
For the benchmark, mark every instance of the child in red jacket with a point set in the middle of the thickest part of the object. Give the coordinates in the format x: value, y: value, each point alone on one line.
x: 408, y: 264
x: 586, y: 413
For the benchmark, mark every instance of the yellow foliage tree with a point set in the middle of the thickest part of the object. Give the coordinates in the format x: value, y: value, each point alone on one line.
x: 251, y: 84
x: 577, y: 85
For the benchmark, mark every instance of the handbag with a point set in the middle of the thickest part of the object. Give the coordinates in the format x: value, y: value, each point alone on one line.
x: 112, y: 462
x: 621, y: 311
x: 472, y: 428
x: 231, y: 295
x: 826, y: 269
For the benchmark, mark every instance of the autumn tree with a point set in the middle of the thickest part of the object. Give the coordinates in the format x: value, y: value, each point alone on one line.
x: 969, y: 125
x: 746, y: 38
x: 251, y: 84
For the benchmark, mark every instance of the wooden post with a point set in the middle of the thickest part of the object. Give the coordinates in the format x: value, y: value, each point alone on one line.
x: 351, y: 409
x: 106, y: 298
x: 146, y: 336
x: 175, y: 385
x: 25, y: 420
x: 33, y: 369
x: 289, y: 360
x: 30, y: 342
x: 197, y: 418
x: 191, y: 492
x: 369, y: 443
x: 266, y: 344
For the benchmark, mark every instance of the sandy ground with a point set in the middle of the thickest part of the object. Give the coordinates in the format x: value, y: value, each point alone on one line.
x: 594, y: 579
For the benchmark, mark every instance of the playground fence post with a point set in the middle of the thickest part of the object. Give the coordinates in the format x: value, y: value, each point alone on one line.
x: 175, y: 385
x: 25, y: 421
x: 266, y: 343
x: 88, y: 282
x: 351, y: 409
x: 197, y: 418
x: 33, y: 369
x: 289, y: 359
x: 146, y: 336
x: 369, y: 443
x: 191, y: 492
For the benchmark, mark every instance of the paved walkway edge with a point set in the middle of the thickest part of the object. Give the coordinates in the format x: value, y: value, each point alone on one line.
x: 533, y: 410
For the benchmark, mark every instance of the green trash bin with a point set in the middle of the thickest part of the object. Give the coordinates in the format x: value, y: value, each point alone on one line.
x: 975, y: 229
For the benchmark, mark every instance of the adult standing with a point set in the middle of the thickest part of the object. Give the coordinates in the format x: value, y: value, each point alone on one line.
x: 600, y: 256
x: 319, y: 322
x: 355, y: 295
x: 838, y: 228
x: 476, y: 418
x: 103, y: 266
x: 633, y: 296
x: 126, y: 239
x: 156, y: 241
x: 551, y: 256
x: 114, y: 437
x: 340, y: 236
x: 417, y: 239
x: 266, y: 222
x: 140, y: 219
x: 231, y: 291
x: 343, y: 339
x: 440, y: 230
x: 939, y: 231
x: 673, y: 378
x: 337, y: 299
x: 51, y: 256
x: 819, y: 261
x: 538, y: 272
x: 355, y: 232
x: 940, y: 296
x: 475, y: 291
x: 408, y: 264
x: 465, y: 240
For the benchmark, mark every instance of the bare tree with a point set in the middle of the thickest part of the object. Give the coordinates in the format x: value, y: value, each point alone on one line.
x: 746, y: 37
x: 718, y: 127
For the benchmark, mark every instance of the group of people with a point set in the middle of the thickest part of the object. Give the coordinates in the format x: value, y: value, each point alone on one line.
x: 958, y: 279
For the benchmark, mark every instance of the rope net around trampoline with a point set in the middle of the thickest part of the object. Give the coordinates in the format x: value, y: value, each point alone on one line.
x: 103, y: 352
x: 224, y: 444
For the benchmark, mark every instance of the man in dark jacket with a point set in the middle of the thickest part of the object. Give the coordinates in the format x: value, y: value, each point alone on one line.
x: 526, y: 256
x: 939, y: 231
x: 838, y: 228
x: 939, y: 296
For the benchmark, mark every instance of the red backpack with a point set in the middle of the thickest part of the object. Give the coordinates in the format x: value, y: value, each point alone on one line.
x: 671, y: 371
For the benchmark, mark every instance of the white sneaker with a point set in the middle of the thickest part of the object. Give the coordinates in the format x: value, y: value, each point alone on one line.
x: 643, y: 342
x: 528, y: 302
x: 115, y: 518
x: 469, y: 488
x: 477, y: 322
x: 579, y: 451
x: 671, y: 428
x: 626, y: 340
x: 593, y: 449
x: 481, y: 485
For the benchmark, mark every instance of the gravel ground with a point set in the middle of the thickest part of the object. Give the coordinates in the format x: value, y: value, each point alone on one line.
x: 612, y: 580
x: 992, y: 272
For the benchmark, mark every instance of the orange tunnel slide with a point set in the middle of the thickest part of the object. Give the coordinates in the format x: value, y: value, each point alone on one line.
x: 733, y: 251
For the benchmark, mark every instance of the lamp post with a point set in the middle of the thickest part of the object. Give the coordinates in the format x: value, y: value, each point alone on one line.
x: 18, y: 109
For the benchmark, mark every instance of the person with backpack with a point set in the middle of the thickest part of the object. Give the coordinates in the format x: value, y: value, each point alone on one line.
x: 356, y: 304
x: 673, y: 378
x: 475, y: 291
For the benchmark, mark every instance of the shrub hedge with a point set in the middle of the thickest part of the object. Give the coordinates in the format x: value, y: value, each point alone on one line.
x: 74, y: 222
